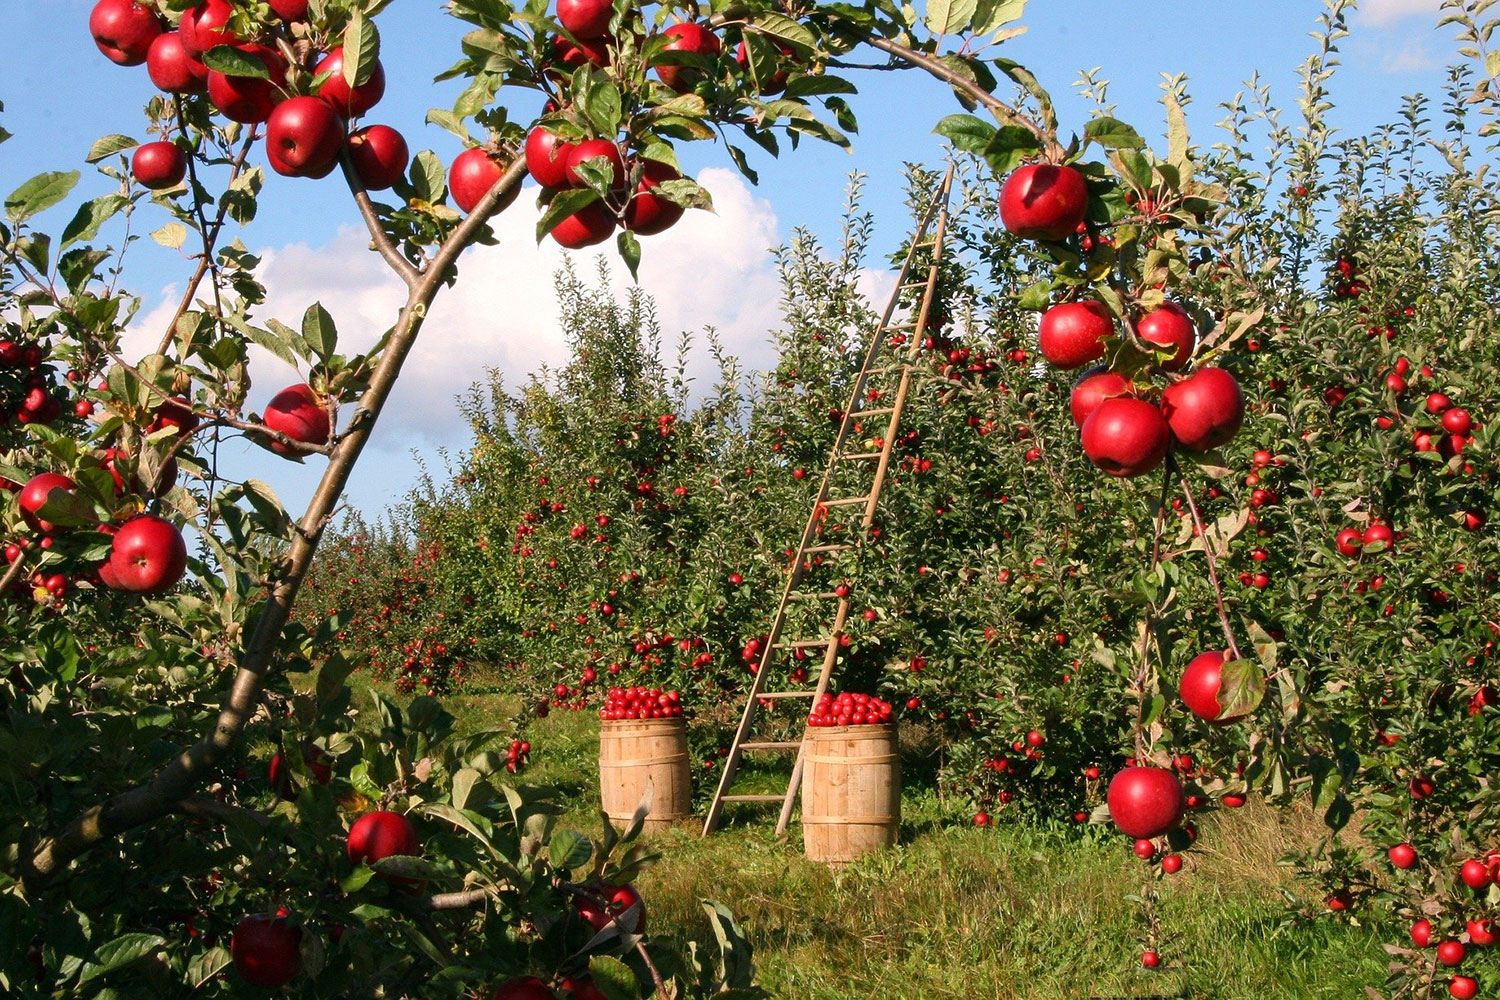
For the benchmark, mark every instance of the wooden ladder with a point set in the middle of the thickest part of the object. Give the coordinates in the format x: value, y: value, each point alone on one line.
x: 934, y: 221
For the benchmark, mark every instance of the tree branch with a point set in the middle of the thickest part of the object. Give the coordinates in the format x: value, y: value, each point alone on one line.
x: 378, y: 237
x: 155, y: 798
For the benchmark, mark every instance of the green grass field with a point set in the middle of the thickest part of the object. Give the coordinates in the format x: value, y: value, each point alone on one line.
x: 1013, y: 911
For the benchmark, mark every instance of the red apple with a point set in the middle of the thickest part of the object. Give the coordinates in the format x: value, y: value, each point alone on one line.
x: 1204, y: 410
x: 1145, y: 802
x: 1457, y: 421
x: 1072, y: 334
x: 582, y: 988
x: 203, y: 27
x: 1378, y: 533
x: 267, y: 952
x: 529, y: 988
x: 585, y: 18
x: 1126, y: 437
x: 1474, y: 874
x: 618, y: 899
x: 1201, y: 683
x: 351, y: 102
x: 117, y: 463
x: 472, y: 175
x: 303, y: 137
x: 589, y: 149
x: 158, y: 165
x: 1481, y: 932
x: 379, y: 155
x: 1350, y: 542
x: 1402, y: 856
x: 1463, y: 987
x: 1095, y: 387
x: 1421, y: 933
x: 1169, y: 326
x: 689, y: 37
x: 381, y: 834
x: 317, y: 766
x: 649, y: 214
x: 589, y: 226
x: 570, y: 56
x: 124, y: 30
x: 34, y: 495
x: 148, y: 555
x: 290, y: 10
x: 173, y: 68
x: 297, y: 412
x: 547, y: 158
x: 1451, y: 952
x: 176, y: 412
x: 248, y: 99
x: 1437, y: 402
x: 1044, y: 201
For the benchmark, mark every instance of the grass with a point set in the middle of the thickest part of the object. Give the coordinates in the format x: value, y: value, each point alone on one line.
x: 1012, y: 911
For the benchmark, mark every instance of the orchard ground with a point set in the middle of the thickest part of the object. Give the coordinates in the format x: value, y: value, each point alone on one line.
x: 1013, y: 910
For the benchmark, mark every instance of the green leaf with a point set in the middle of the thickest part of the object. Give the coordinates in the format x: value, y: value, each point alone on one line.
x: 1112, y: 133
x: 992, y: 15
x: 39, y: 194
x: 37, y: 249
x: 630, y: 252
x: 208, y: 966
x: 603, y: 107
x: 108, y: 146
x: 429, y: 181
x: 172, y: 236
x: 447, y: 120
x: 68, y: 509
x: 120, y: 952
x: 1036, y: 296
x: 613, y: 978
x: 276, y: 343
x: 90, y: 216
x: 1009, y: 146
x: 569, y: 849
x: 319, y: 332
x: 950, y: 17
x: 361, y: 49
x: 232, y: 62
x: 409, y: 866
x: 781, y: 27
x: 966, y: 132
x: 332, y: 675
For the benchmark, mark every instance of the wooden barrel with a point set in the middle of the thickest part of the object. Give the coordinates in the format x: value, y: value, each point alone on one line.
x: 635, y: 754
x: 851, y: 791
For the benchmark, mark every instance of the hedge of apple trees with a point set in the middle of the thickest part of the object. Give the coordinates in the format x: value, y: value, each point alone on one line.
x: 1054, y: 622
x: 195, y: 802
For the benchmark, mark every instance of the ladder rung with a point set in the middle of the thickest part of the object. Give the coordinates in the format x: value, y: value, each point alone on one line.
x: 826, y: 595
x: 861, y: 456
x: 800, y: 643
x: 880, y: 412
x: 787, y: 745
x: 845, y: 502
x: 915, y: 284
x: 837, y: 547
x: 909, y: 325
x: 753, y: 798
x: 884, y: 369
x: 786, y: 694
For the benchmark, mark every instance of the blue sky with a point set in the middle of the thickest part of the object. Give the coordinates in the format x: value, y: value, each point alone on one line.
x: 60, y: 95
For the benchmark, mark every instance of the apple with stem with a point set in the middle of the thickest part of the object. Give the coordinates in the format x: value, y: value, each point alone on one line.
x: 206, y: 26
x: 379, y: 155
x: 123, y: 30
x: 1145, y: 802
x: 148, y: 555
x: 590, y: 149
x: 303, y: 138
x: 547, y: 158
x: 1202, y: 683
x: 1126, y: 437
x: 297, y: 412
x: 1095, y: 387
x: 1205, y: 410
x: 1073, y: 333
x: 648, y: 214
x: 349, y: 101
x: 249, y: 100
x: 158, y: 165
x: 1044, y: 201
x: 585, y: 18
x: 1169, y: 326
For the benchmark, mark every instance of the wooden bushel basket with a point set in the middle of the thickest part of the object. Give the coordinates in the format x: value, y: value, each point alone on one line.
x: 851, y: 791
x: 637, y: 754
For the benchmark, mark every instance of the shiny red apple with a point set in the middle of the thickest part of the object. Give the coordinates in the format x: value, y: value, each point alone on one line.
x: 1126, y: 437
x: 379, y: 155
x: 1072, y: 334
x: 1204, y: 411
x: 123, y: 30
x: 1044, y: 201
x: 1145, y: 802
x: 148, y: 555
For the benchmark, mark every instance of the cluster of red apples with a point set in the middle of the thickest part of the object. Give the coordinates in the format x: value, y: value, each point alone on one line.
x: 306, y: 108
x: 1124, y: 431
x: 641, y: 703
x: 28, y: 395
x: 305, y: 131
x: 849, y: 710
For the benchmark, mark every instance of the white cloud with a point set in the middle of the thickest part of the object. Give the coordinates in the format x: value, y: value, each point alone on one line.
x: 1412, y: 57
x: 712, y: 269
x: 1387, y: 11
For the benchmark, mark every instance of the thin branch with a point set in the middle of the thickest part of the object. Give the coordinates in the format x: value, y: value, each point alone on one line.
x: 205, y: 807
x: 1213, y: 575
x: 154, y: 799
x: 378, y: 237
x: 210, y: 238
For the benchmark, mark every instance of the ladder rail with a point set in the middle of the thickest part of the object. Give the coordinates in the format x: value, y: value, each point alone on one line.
x: 937, y: 211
